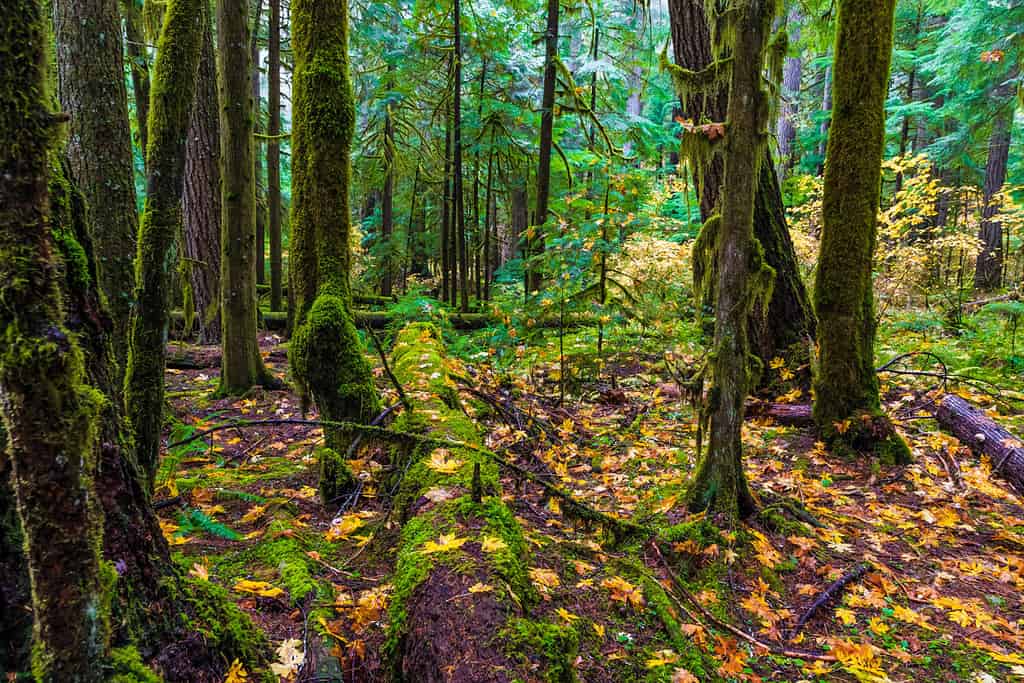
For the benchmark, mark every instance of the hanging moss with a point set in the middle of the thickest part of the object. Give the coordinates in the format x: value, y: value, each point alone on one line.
x: 171, y: 100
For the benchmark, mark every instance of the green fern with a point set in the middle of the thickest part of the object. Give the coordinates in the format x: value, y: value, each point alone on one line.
x: 245, y: 496
x: 196, y: 521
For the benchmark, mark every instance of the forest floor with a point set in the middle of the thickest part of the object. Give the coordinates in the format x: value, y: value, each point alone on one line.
x: 932, y: 554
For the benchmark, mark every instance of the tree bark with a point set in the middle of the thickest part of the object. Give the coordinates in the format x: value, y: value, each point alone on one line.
x: 90, y: 71
x: 138, y: 56
x: 51, y: 434
x: 988, y: 272
x: 847, y: 406
x: 173, y: 88
x: 200, y: 201
x: 720, y: 482
x: 788, y: 324
x: 535, y: 234
x: 460, y: 200
x: 791, y: 75
x: 325, y: 354
x: 257, y: 110
x: 241, y: 366
x: 387, y: 209
x: 274, y: 154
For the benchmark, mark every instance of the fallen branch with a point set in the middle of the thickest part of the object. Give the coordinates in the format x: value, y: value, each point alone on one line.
x: 709, y: 618
x: 828, y: 595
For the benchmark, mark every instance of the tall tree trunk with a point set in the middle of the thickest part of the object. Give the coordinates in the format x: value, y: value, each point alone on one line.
x: 325, y: 354
x: 257, y: 112
x: 535, y: 234
x: 786, y: 325
x: 138, y: 56
x: 446, y: 212
x: 241, y: 363
x: 90, y: 69
x: 274, y: 153
x: 826, y: 107
x: 791, y: 75
x: 387, y: 209
x: 988, y: 272
x: 720, y: 482
x: 200, y: 202
x: 460, y: 199
x: 174, y: 78
x: 846, y: 404
x: 49, y: 411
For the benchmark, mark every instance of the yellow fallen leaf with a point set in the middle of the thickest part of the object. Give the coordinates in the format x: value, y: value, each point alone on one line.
x: 846, y: 616
x: 444, y: 543
x: 260, y: 588
x: 237, y: 673
x: 566, y: 615
x: 662, y: 658
x: 544, y: 578
x: 344, y: 528
x: 492, y: 544
x: 480, y: 588
x: 439, y: 462
x: 598, y: 629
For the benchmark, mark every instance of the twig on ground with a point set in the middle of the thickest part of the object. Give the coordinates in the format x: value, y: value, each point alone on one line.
x: 828, y: 595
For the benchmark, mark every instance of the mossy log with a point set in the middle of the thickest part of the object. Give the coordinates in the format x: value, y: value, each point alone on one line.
x: 440, y: 629
x: 981, y: 434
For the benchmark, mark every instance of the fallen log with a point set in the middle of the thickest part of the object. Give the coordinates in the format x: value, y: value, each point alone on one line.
x: 461, y: 578
x: 976, y: 430
x: 786, y: 414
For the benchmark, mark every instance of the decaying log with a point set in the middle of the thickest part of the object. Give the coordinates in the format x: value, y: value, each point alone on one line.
x: 449, y: 604
x: 786, y: 414
x: 981, y: 434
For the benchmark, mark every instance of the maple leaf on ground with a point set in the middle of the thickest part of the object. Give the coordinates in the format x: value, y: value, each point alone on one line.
x: 623, y: 591
x: 290, y: 658
x: 344, y: 527
x: 443, y: 544
x: 260, y: 588
x: 237, y: 673
x: 200, y: 571
x: 492, y: 544
x: 662, y: 658
x: 544, y: 578
x: 480, y: 588
x: 439, y: 462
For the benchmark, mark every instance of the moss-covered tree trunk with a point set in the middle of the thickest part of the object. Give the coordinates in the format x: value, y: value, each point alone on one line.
x: 200, y: 201
x: 48, y: 410
x: 90, y: 69
x: 174, y: 77
x: 325, y: 354
x: 241, y: 363
x: 785, y: 327
x: 720, y: 482
x: 274, y: 153
x: 261, y: 218
x: 847, y: 405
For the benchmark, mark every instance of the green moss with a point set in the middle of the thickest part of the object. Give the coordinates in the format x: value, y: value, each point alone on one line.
x: 411, y: 568
x: 691, y: 657
x: 126, y: 666
x: 210, y: 612
x: 173, y: 87
x: 557, y: 645
x: 336, y: 478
